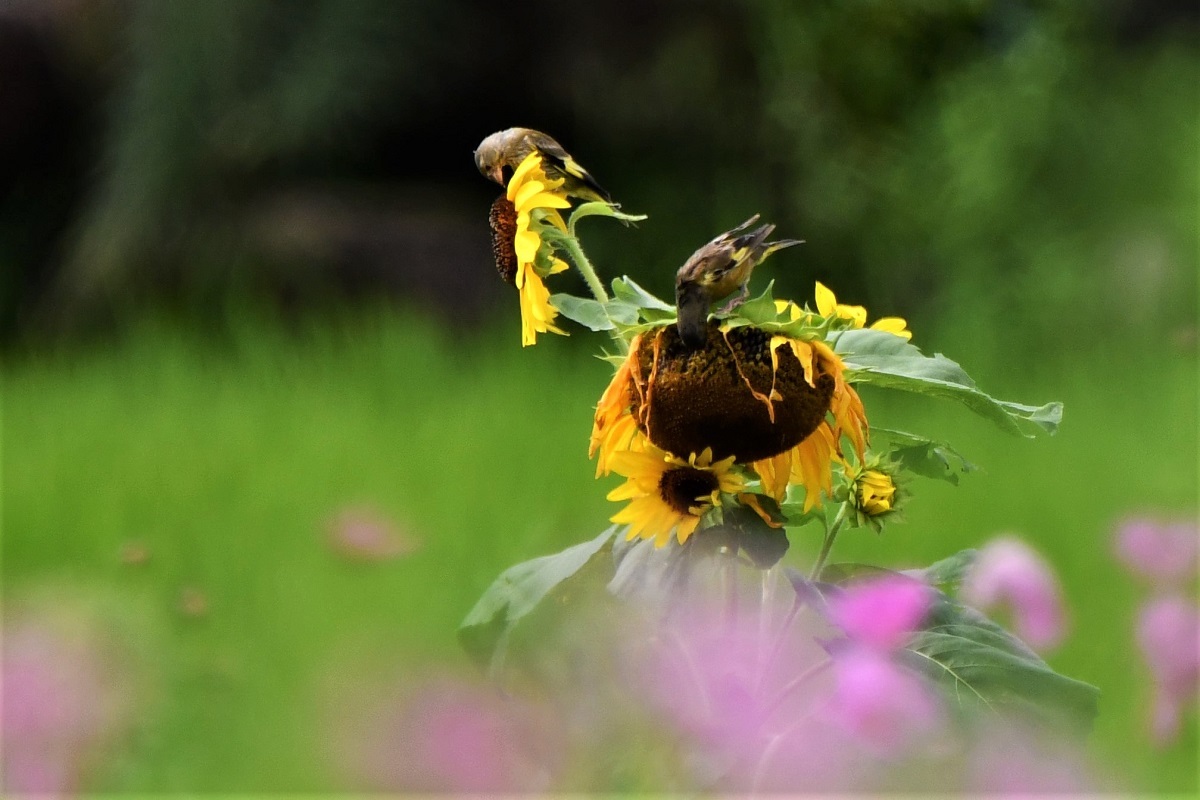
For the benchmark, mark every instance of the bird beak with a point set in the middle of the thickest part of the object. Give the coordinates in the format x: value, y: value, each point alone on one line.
x: 497, y: 174
x: 692, y: 306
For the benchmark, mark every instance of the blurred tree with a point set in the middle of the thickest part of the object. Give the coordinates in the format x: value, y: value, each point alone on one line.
x: 930, y: 153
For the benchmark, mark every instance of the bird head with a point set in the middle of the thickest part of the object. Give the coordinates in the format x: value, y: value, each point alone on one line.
x: 491, y: 156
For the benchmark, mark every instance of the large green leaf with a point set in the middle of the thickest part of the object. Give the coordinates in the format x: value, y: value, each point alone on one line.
x: 950, y: 571
x: 626, y: 289
x: 593, y: 314
x: 985, y: 668
x: 882, y: 359
x: 926, y: 457
x: 485, y: 631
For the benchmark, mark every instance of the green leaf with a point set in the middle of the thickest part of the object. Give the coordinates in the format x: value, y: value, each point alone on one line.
x: 760, y: 309
x: 598, y: 208
x: 926, y: 457
x: 588, y: 313
x: 882, y: 359
x: 625, y: 288
x: 847, y: 571
x: 985, y: 668
x: 593, y: 314
x: 948, y: 572
x: 517, y: 592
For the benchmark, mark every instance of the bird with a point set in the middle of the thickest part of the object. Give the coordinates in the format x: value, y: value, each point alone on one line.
x: 717, y: 270
x: 505, y: 150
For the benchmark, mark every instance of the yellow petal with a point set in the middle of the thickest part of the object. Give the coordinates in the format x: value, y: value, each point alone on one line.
x: 531, y: 162
x: 894, y: 325
x: 826, y: 300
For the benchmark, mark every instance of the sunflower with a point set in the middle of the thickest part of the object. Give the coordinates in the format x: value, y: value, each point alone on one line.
x: 668, y: 494
x: 810, y: 463
x: 828, y: 306
x: 523, y: 257
x: 614, y: 429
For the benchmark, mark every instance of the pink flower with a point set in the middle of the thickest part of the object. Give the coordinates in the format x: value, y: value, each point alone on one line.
x: 882, y: 613
x: 59, y: 704
x: 883, y: 706
x: 1162, y: 553
x: 1168, y: 633
x: 364, y: 535
x: 1008, y: 572
x: 1013, y: 760
x: 448, y: 736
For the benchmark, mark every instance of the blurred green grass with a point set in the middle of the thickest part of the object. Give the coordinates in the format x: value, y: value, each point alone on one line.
x: 226, y: 457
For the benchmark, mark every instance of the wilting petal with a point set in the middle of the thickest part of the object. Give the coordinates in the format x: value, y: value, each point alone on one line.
x: 882, y: 614
x: 1008, y: 572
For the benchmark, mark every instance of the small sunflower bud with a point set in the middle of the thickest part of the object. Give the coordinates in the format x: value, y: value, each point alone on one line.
x: 875, y: 492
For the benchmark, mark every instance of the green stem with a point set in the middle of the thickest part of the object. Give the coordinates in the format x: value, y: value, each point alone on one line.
x: 827, y: 545
x: 571, y: 244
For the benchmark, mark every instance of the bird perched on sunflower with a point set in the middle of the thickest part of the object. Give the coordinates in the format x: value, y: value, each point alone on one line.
x: 505, y: 150
x: 716, y: 271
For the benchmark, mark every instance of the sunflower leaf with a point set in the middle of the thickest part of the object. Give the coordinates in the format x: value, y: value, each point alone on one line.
x: 926, y: 457
x: 882, y: 359
x: 625, y: 288
x: 985, y: 668
x: 949, y: 572
x: 485, y: 631
x: 593, y: 314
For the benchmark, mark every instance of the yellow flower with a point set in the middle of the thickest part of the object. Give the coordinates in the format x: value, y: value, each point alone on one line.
x: 875, y: 492
x: 536, y: 200
x: 614, y: 428
x: 668, y: 494
x: 810, y: 463
x: 828, y: 306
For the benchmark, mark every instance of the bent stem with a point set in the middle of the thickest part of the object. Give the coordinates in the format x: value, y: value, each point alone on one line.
x: 830, y: 535
x: 571, y: 245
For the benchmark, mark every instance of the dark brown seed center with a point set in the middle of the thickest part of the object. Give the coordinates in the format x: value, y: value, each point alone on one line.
x: 503, y: 220
x: 679, y: 487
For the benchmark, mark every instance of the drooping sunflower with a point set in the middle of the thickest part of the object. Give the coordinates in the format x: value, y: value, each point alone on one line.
x: 810, y: 463
x: 523, y: 256
x: 614, y: 429
x: 667, y: 494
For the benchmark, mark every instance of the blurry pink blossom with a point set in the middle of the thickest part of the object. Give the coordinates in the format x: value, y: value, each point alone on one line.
x: 1168, y: 633
x: 1009, y: 572
x: 58, y: 704
x: 885, y: 707
x: 1015, y: 760
x: 365, y: 535
x: 882, y: 613
x: 1162, y: 553
x: 448, y: 736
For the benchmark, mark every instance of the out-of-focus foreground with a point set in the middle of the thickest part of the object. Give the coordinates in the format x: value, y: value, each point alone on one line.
x: 268, y: 430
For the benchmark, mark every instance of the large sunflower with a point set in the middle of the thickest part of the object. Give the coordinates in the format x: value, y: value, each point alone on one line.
x: 810, y: 462
x: 668, y: 494
x: 523, y: 257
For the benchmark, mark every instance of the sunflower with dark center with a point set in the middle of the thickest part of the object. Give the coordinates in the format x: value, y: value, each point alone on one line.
x: 523, y: 256
x: 668, y: 495
x: 779, y: 404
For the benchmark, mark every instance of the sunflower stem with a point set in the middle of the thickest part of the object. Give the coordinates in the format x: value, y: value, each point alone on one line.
x: 830, y: 535
x: 585, y: 268
x: 731, y: 588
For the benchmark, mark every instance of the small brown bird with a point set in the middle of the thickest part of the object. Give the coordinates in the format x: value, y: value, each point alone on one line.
x: 717, y: 270
x: 506, y: 150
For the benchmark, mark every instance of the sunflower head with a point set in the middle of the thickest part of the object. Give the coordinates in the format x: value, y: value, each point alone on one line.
x: 668, y: 495
x: 503, y: 222
x: 733, y: 396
